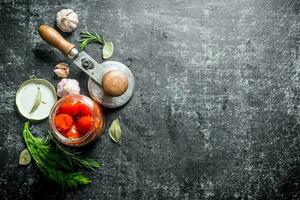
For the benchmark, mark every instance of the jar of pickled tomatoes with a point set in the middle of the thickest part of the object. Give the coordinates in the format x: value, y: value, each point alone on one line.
x: 76, y: 120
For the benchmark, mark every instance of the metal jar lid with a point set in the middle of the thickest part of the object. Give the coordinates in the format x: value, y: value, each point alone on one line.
x: 26, y: 98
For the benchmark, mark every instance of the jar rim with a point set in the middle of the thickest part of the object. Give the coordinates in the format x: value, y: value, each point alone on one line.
x: 57, y: 134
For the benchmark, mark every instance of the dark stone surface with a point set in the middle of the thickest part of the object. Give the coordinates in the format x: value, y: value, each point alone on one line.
x: 215, y: 113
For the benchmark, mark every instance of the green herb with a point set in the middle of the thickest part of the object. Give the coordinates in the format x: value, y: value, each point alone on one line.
x: 24, y: 158
x: 77, y: 161
x: 108, y: 50
x: 93, y: 37
x: 56, y: 167
x: 37, y: 101
x: 90, y: 37
x: 115, y: 131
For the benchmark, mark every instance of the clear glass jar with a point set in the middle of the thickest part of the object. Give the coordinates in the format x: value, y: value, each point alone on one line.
x: 76, y: 120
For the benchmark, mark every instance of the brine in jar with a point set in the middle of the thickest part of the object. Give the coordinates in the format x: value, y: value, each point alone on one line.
x: 76, y: 120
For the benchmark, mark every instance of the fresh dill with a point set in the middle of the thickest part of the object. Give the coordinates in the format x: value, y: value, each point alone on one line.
x: 76, y: 161
x: 57, y: 167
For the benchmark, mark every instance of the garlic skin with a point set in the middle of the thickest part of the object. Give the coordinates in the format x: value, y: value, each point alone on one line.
x: 62, y: 70
x: 67, y: 86
x: 66, y: 20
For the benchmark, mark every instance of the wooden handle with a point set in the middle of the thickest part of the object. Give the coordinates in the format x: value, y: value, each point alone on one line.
x: 52, y: 37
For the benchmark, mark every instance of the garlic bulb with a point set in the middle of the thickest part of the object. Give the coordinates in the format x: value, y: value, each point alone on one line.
x: 67, y: 86
x: 66, y: 20
x: 62, y: 70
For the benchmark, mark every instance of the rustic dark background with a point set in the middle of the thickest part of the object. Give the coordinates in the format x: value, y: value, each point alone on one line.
x: 215, y: 113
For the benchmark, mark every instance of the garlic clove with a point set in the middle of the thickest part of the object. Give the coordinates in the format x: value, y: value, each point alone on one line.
x: 62, y: 73
x: 72, y: 25
x: 62, y: 70
x: 67, y: 71
x: 62, y: 66
x: 73, y: 18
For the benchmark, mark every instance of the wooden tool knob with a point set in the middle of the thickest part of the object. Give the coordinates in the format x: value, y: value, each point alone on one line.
x: 114, y: 83
x: 52, y: 37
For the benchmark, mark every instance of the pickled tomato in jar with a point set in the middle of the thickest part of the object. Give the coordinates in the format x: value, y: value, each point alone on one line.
x: 76, y: 120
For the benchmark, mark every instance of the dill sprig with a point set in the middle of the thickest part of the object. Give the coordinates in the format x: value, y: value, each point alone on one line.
x: 57, y: 167
x: 90, y: 37
x: 76, y: 161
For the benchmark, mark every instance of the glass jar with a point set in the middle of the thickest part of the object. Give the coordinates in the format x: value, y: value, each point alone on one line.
x: 76, y: 120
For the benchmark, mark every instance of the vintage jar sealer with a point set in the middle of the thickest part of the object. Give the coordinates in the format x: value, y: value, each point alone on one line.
x: 111, y: 83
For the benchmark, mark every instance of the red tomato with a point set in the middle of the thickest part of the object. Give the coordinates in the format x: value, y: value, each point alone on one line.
x: 84, y: 124
x: 70, y: 108
x: 63, y: 122
x: 85, y: 110
x: 72, y: 133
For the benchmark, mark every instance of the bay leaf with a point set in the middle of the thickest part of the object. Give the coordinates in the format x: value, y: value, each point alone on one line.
x: 25, y: 157
x: 108, y: 50
x: 37, y: 102
x: 115, y: 131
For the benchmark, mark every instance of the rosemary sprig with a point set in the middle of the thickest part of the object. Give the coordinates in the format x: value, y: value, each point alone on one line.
x: 93, y: 37
x: 55, y: 166
x: 90, y: 37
